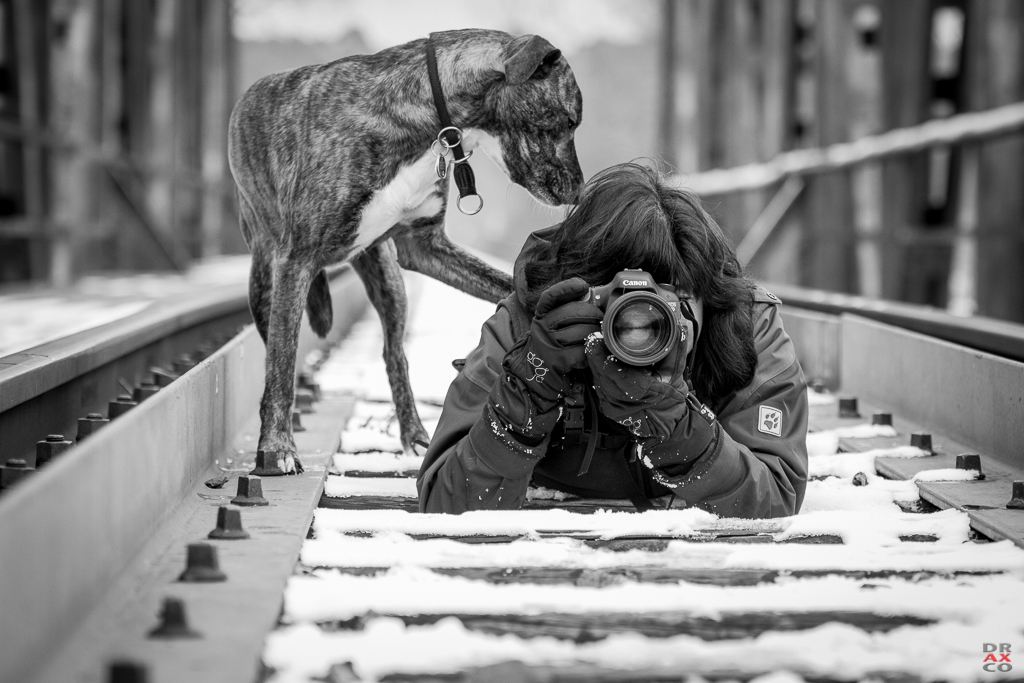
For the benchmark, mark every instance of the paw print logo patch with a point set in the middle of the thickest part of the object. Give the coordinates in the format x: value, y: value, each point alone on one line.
x: 769, y: 421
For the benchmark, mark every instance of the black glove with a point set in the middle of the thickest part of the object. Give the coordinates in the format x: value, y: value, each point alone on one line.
x: 655, y: 405
x: 527, y: 395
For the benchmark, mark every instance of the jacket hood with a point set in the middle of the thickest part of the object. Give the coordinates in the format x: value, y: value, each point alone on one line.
x: 538, y: 248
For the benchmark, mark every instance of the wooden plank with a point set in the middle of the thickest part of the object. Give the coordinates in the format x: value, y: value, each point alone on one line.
x: 593, y: 626
x: 906, y: 42
x: 994, y: 64
x: 75, y: 110
x: 217, y: 100
x: 670, y: 575
x: 827, y: 255
x: 577, y: 672
x: 188, y: 119
x: 26, y: 18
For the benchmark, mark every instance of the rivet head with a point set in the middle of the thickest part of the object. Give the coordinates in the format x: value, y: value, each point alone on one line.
x: 250, y: 492
x: 922, y: 441
x: 201, y: 564
x: 1017, y: 497
x: 969, y: 461
x: 860, y: 479
x: 55, y: 438
x: 173, y: 623
x: 127, y: 672
x: 229, y: 525
x: 304, y: 400
x: 269, y: 464
x: 848, y: 407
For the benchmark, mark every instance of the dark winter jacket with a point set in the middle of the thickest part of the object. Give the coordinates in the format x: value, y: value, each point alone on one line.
x: 756, y: 468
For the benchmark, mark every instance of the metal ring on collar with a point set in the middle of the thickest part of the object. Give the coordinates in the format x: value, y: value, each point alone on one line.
x: 445, y: 150
x: 463, y: 159
x: 444, y: 141
x: 458, y: 203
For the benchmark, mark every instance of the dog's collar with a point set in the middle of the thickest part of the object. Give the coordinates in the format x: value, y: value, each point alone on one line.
x: 449, y: 139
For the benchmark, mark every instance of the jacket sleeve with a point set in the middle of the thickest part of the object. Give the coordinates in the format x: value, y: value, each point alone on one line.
x: 471, y: 463
x: 758, y: 466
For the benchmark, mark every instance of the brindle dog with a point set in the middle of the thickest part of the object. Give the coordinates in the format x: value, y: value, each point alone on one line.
x: 333, y: 163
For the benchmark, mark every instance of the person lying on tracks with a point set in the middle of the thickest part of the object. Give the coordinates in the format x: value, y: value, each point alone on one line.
x: 718, y: 422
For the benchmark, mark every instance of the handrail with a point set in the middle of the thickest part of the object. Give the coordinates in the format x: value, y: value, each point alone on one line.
x: 997, y: 337
x: 960, y: 128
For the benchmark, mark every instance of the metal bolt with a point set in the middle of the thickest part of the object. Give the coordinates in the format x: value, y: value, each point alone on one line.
x: 860, y: 479
x: 969, y: 461
x: 144, y: 391
x: 90, y: 424
x: 304, y: 400
x: 184, y: 363
x: 1017, y: 497
x: 127, y: 672
x: 297, y: 421
x: 269, y: 464
x: 173, y: 623
x: 50, y: 448
x: 848, y: 407
x: 229, y: 525
x: 14, y: 471
x: 250, y: 492
x: 161, y: 377
x: 201, y: 565
x: 119, y: 406
x: 922, y: 441
x: 306, y: 382
x: 882, y: 419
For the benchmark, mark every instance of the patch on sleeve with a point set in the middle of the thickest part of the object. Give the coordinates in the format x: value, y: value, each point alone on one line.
x: 769, y: 420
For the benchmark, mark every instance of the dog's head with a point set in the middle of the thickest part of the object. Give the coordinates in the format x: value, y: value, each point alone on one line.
x: 535, y: 110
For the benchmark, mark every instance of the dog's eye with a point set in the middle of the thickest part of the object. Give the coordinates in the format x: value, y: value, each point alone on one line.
x: 572, y: 121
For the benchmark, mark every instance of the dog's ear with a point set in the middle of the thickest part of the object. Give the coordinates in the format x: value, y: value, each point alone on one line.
x: 529, y: 57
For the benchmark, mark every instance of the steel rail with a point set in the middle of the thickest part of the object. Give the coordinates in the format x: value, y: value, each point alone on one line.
x: 997, y: 337
x: 70, y: 531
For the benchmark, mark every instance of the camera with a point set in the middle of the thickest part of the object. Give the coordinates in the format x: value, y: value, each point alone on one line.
x: 643, y: 320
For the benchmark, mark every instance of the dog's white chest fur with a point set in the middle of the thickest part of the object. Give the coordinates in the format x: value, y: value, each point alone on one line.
x: 413, y: 192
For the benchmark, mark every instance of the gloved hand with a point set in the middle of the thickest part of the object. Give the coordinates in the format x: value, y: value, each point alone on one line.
x: 527, y: 395
x: 654, y: 404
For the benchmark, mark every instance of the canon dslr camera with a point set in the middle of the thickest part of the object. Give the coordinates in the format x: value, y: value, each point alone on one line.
x: 642, y: 319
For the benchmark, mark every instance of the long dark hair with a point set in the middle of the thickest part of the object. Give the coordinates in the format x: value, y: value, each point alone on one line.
x: 628, y: 216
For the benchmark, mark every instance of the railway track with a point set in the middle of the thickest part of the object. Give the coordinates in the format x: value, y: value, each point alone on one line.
x: 902, y: 565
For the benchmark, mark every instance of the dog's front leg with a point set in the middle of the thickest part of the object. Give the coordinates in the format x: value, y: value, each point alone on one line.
x: 288, y: 298
x: 429, y: 251
x: 378, y: 269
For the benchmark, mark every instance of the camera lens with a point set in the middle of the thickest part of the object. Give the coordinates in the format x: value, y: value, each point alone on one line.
x: 639, y: 328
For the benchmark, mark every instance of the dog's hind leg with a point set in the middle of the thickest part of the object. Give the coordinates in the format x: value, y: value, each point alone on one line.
x: 429, y: 251
x: 379, y: 271
x: 290, y: 288
x: 318, y: 305
x: 261, y: 279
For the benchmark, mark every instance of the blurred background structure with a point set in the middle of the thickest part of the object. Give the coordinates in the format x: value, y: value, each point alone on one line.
x: 113, y: 116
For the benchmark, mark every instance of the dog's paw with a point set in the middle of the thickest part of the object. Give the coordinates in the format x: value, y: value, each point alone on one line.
x: 292, y: 465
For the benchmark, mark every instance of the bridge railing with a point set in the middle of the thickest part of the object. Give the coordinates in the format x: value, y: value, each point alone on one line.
x: 967, y: 131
